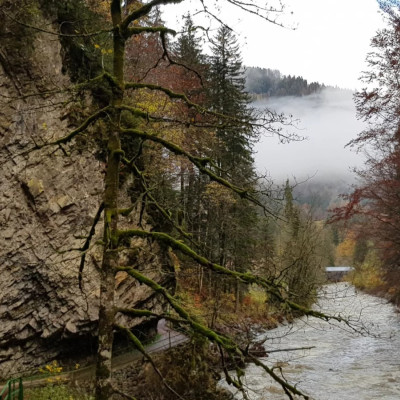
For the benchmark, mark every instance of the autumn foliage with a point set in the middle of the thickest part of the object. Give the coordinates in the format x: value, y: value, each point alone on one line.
x: 374, y: 204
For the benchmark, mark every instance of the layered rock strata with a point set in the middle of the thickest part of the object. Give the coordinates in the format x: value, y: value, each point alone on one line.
x: 48, y: 200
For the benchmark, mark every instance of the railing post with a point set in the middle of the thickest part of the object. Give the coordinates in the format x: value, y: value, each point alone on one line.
x: 13, y: 388
x: 21, y: 390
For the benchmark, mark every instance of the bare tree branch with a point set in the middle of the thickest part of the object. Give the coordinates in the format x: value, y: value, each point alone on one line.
x: 86, y: 245
x: 139, y: 346
x: 144, y: 10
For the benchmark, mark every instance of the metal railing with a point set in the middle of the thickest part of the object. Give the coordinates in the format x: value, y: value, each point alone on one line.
x: 13, y: 390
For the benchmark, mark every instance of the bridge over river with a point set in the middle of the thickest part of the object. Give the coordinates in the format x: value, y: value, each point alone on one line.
x: 336, y: 274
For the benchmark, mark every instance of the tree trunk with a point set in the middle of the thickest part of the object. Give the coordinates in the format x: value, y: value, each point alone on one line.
x: 107, y: 273
x: 104, y: 390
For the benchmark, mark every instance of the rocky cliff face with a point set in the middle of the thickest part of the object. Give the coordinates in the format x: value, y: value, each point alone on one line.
x: 48, y: 200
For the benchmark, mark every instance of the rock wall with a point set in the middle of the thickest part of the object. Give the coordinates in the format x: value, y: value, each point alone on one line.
x: 48, y: 200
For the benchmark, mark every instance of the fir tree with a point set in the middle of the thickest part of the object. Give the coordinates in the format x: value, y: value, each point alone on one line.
x: 188, y: 48
x: 228, y: 96
x: 231, y: 222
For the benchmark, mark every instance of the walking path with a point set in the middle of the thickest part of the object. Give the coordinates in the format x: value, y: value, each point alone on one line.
x: 167, y: 338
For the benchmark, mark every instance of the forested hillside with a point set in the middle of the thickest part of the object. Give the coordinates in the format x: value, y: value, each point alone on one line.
x: 270, y: 82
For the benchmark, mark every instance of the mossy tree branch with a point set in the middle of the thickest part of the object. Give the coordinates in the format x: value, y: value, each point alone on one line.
x: 261, y: 121
x: 80, y: 129
x: 200, y: 163
x: 134, y: 312
x: 287, y: 387
x: 273, y: 288
x: 137, y: 30
x: 223, y: 342
x: 192, y: 321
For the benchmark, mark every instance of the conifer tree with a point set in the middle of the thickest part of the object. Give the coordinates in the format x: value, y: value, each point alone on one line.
x: 231, y: 221
x: 300, y: 254
x: 228, y: 97
x: 188, y: 52
x: 188, y: 47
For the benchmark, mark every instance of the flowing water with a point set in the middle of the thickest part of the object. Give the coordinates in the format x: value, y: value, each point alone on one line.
x: 342, y: 365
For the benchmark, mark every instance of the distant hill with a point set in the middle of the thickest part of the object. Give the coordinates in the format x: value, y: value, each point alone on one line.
x: 322, y: 194
x: 267, y: 82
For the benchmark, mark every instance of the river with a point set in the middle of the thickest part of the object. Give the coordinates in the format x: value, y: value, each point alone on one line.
x: 342, y: 365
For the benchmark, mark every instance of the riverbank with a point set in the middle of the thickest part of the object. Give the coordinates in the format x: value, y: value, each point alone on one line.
x: 377, y: 282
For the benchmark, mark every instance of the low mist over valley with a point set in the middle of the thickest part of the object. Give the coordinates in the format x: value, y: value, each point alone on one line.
x: 326, y: 119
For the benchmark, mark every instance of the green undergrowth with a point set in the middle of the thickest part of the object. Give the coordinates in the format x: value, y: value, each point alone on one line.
x: 368, y: 275
x: 57, y: 391
x: 217, y: 307
x: 371, y: 277
x: 56, y: 386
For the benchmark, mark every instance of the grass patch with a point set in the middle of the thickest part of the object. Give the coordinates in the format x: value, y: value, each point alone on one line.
x: 55, y: 391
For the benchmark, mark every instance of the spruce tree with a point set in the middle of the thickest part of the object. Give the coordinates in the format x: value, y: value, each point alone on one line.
x: 188, y: 48
x: 188, y: 52
x: 228, y: 96
x: 231, y: 222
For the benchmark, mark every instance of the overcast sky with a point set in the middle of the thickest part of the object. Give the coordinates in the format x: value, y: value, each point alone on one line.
x: 329, y: 45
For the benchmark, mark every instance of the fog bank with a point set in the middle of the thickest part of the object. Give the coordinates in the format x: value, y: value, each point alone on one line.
x: 328, y: 121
